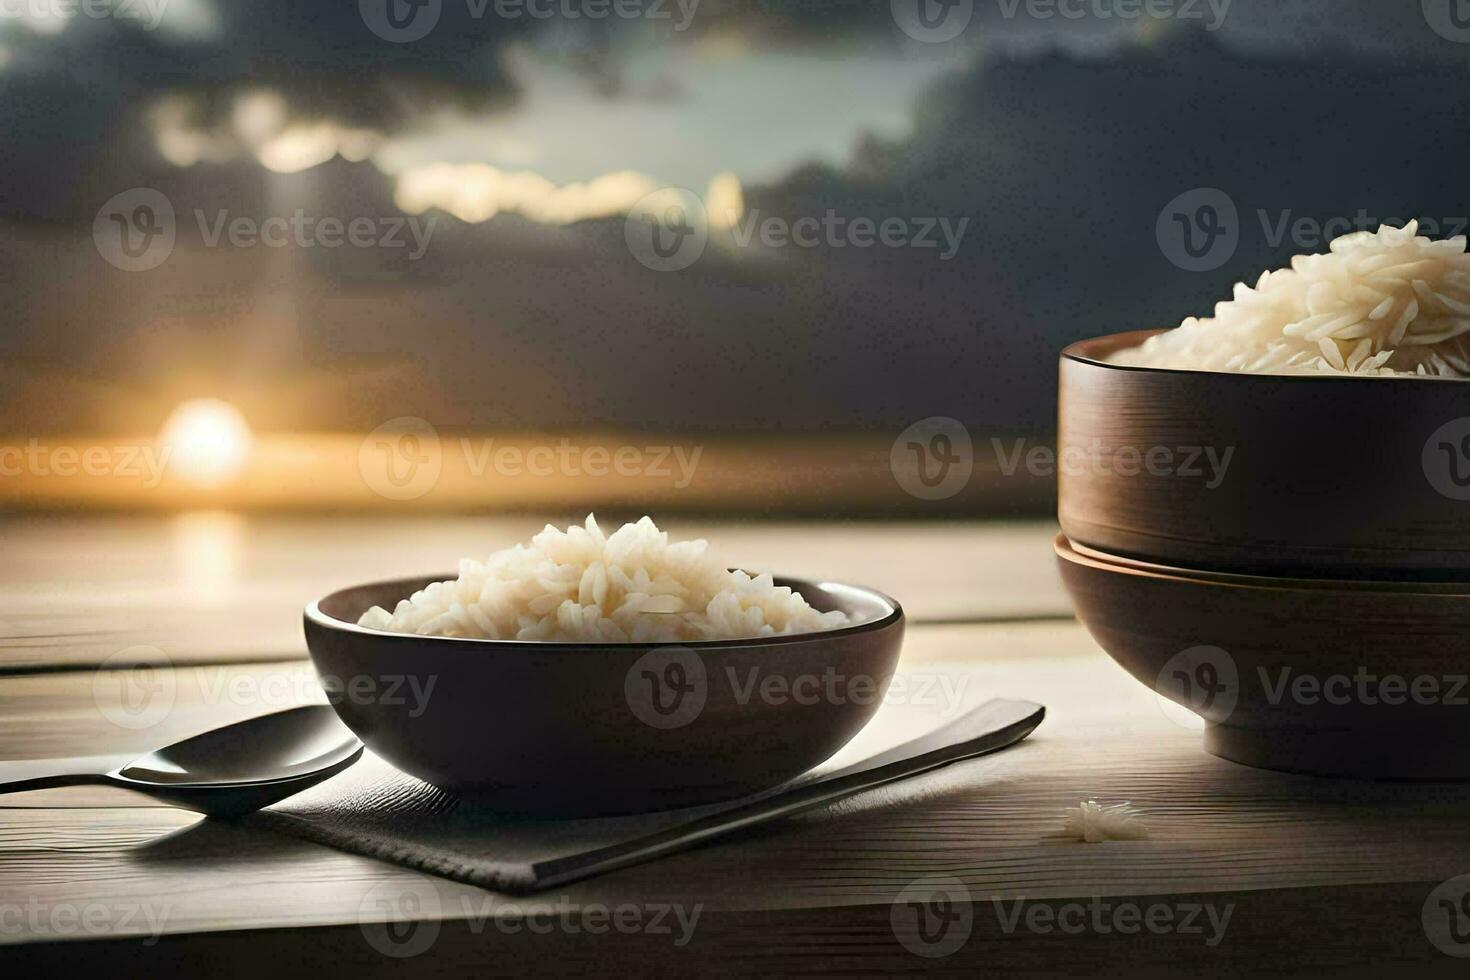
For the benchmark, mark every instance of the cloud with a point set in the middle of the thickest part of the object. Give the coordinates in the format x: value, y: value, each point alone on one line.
x: 476, y: 192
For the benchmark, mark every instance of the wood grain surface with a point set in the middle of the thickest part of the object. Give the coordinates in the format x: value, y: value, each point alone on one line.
x: 216, y: 587
x: 1316, y: 872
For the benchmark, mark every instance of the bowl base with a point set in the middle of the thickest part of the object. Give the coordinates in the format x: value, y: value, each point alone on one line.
x: 1408, y: 753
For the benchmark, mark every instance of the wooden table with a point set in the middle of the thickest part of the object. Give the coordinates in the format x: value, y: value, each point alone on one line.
x: 1313, y: 874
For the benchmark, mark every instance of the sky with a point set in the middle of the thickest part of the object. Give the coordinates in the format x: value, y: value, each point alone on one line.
x: 754, y: 89
x: 1048, y: 145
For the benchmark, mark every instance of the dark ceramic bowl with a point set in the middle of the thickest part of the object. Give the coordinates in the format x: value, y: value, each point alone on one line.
x: 602, y: 728
x: 1336, y: 677
x: 1341, y: 477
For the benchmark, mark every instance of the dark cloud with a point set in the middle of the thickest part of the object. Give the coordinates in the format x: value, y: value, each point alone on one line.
x: 1059, y: 154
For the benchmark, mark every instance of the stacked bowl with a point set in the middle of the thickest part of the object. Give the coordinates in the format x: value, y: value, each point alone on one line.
x: 1286, y: 555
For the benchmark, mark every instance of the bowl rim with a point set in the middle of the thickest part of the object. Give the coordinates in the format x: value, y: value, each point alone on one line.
x: 1085, y: 352
x: 1069, y: 550
x: 313, y: 614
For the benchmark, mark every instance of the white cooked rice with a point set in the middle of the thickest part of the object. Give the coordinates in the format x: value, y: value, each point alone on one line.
x: 1386, y: 303
x: 581, y: 585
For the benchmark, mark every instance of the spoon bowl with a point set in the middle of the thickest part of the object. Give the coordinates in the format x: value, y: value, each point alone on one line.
x: 226, y: 772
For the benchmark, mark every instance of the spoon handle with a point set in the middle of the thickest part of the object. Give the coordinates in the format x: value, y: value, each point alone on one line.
x: 988, y: 728
x: 16, y: 777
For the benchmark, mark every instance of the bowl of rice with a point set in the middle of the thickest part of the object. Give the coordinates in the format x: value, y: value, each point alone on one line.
x: 1318, y: 423
x: 595, y: 672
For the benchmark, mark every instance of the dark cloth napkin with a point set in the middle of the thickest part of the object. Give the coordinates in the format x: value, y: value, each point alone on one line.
x: 375, y: 810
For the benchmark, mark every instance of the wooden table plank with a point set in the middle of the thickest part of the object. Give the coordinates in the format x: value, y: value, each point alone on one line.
x: 991, y: 823
x: 1275, y: 933
x: 1317, y: 873
x: 76, y: 591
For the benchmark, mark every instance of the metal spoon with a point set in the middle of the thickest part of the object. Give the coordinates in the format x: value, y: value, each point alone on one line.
x: 224, y: 773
